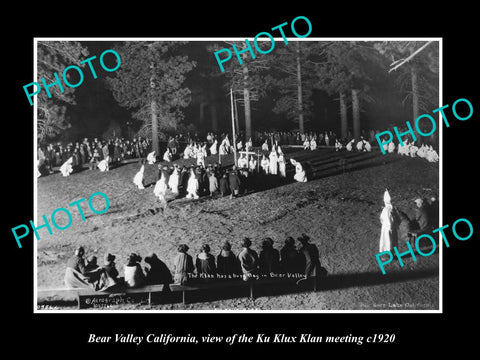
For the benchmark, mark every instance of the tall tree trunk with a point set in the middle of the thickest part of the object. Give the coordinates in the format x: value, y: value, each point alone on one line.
x: 246, y: 99
x: 237, y: 122
x: 415, y: 100
x: 356, y: 113
x: 153, y: 110
x: 202, y: 113
x: 343, y: 115
x: 299, y: 91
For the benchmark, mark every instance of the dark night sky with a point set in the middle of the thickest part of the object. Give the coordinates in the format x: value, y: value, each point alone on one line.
x: 96, y: 107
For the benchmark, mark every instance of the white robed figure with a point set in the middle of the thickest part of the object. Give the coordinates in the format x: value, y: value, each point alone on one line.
x: 350, y: 145
x: 413, y: 150
x: 281, y: 163
x: 167, y: 156
x: 391, y: 147
x: 403, y: 150
x: 103, y: 165
x: 388, y: 231
x: 338, y: 145
x: 368, y: 147
x: 242, y: 161
x: 66, y: 169
x: 187, y: 151
x: 138, y: 179
x: 265, y: 146
x: 213, y: 148
x: 38, y: 172
x: 174, y: 179
x: 306, y: 144
x: 252, y: 164
x: 431, y: 154
x: 273, y: 161
x: 265, y: 164
x: 248, y: 144
x: 300, y: 174
x: 224, y: 146
x: 201, y: 155
x: 192, y: 185
x: 160, y: 188
x: 361, y: 145
x: 313, y: 144
x: 151, y: 158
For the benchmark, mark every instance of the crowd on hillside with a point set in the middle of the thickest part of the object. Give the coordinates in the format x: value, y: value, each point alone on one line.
x: 299, y: 260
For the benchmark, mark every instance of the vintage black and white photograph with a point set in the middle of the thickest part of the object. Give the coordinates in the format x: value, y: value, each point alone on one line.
x: 269, y: 174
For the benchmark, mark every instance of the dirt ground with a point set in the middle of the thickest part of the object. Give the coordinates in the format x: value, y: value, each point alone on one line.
x: 340, y: 213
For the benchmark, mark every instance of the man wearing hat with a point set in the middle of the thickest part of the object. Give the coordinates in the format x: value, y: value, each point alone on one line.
x: 311, y: 256
x: 248, y: 259
x: 109, y: 266
x: 421, y: 222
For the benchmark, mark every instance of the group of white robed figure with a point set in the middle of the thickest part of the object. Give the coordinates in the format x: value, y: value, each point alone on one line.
x: 362, y: 145
x: 66, y: 169
x: 172, y: 183
x: 410, y: 149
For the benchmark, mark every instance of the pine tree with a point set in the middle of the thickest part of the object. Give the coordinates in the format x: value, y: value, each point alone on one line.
x: 247, y: 79
x: 346, y: 69
x: 55, y: 56
x: 150, y: 82
x: 292, y: 78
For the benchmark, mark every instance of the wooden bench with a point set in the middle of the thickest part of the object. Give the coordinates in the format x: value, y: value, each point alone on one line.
x: 82, y: 295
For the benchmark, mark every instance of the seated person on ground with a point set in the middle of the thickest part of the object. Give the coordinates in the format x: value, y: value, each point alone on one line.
x: 134, y: 276
x: 157, y: 272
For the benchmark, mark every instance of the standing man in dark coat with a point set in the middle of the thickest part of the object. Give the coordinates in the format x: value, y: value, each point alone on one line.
x: 311, y: 256
x: 234, y: 182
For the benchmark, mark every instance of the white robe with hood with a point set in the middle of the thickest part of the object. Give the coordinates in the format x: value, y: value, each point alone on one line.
x: 386, y: 219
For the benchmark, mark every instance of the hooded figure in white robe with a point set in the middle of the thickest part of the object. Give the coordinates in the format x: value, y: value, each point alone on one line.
x: 160, y: 188
x: 174, y: 179
x: 300, y: 174
x: 313, y: 144
x: 360, y: 145
x: 213, y: 148
x: 167, y: 156
x: 431, y: 155
x: 151, y: 158
x: 405, y: 149
x: 248, y: 144
x: 103, y: 165
x: 138, y: 179
x: 265, y: 164
x: 224, y: 147
x: 391, y: 147
x: 281, y: 163
x: 388, y: 233
x: 422, y: 152
x: 265, y: 146
x: 327, y: 139
x: 201, y: 155
x: 273, y: 161
x: 306, y: 144
x: 252, y: 164
x: 66, y: 169
x: 242, y: 162
x: 192, y: 185
x: 240, y: 145
x: 368, y: 147
x: 338, y: 145
x: 350, y: 145
x: 413, y: 150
